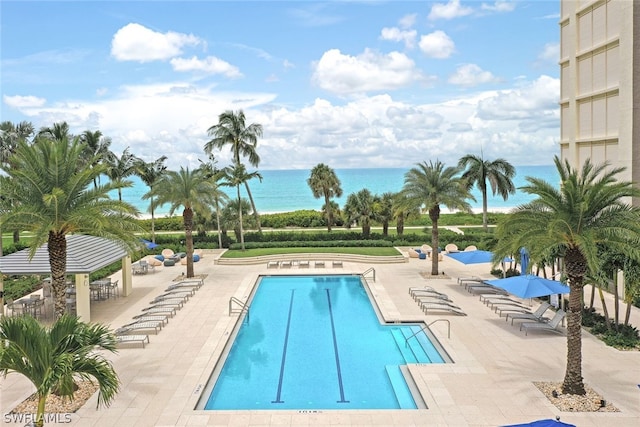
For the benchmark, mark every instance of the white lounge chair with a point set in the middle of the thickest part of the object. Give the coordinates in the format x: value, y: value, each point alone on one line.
x: 155, y: 326
x: 143, y: 339
x: 536, y: 315
x: 272, y: 264
x: 441, y: 307
x: 303, y: 264
x: 171, y: 311
x: 285, y: 264
x: 336, y: 264
x: 318, y: 264
x: 551, y: 325
x: 158, y: 317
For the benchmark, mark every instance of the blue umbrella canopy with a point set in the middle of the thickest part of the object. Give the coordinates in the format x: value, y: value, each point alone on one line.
x: 149, y: 244
x: 530, y: 286
x: 474, y: 257
x: 543, y: 423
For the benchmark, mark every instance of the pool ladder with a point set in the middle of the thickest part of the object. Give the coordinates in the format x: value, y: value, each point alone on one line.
x: 241, y: 307
x: 371, y: 270
x: 406, y: 342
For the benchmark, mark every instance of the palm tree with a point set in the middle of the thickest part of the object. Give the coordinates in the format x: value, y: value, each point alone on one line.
x: 431, y: 185
x: 189, y: 189
x: 402, y: 211
x: 150, y: 173
x: 359, y: 207
x: 232, y: 130
x: 590, y: 209
x: 325, y: 183
x: 53, y: 358
x: 384, y: 210
x: 498, y: 173
x: 220, y: 198
x: 235, y: 176
x: 96, y: 148
x: 121, y: 167
x: 53, y: 199
x: 58, y: 132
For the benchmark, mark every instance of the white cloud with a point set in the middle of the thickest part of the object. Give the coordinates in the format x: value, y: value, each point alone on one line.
x: 408, y: 21
x: 536, y: 100
x: 471, y: 75
x: 18, y: 101
x: 550, y: 53
x: 408, y: 37
x: 437, y: 45
x: 450, y: 10
x: 134, y: 42
x: 499, y: 6
x: 369, y: 71
x: 208, y: 65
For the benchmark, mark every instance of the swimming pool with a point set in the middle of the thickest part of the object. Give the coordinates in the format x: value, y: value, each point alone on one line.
x: 315, y: 342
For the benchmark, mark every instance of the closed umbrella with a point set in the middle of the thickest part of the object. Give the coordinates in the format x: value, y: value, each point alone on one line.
x: 524, y: 260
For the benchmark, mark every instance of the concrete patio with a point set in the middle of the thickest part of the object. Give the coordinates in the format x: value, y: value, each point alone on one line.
x: 490, y: 383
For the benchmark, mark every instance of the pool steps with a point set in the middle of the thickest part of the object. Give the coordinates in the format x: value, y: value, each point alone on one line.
x: 400, y: 387
x: 412, y: 350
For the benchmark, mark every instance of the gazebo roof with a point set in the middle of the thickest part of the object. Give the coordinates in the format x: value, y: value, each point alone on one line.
x: 85, y: 254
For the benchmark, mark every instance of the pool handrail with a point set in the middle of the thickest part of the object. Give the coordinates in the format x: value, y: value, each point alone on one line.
x: 406, y: 342
x: 243, y: 307
x: 371, y: 270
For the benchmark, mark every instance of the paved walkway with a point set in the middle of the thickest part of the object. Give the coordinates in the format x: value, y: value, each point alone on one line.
x: 490, y: 383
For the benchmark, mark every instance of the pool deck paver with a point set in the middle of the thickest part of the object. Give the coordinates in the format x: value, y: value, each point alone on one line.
x: 490, y: 383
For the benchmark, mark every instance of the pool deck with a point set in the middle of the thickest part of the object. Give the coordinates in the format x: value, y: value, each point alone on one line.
x: 490, y: 383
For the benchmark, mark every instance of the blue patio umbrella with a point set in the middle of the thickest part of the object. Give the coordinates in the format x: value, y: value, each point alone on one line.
x: 474, y: 257
x: 543, y: 423
x: 530, y: 286
x: 149, y: 244
x: 524, y: 260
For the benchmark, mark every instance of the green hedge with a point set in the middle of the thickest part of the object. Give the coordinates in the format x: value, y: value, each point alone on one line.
x: 314, y: 244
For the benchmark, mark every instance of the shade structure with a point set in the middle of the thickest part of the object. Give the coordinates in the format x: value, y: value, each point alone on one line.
x: 530, y: 286
x: 149, y: 244
x: 474, y: 257
x: 543, y: 423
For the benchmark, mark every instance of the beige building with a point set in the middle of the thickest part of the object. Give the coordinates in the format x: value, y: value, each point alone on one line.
x: 599, y: 74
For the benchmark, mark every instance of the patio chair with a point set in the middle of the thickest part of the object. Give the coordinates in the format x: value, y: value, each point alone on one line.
x: 146, y: 266
x: 273, y: 264
x: 187, y: 283
x: 427, y: 290
x: 285, y: 264
x: 14, y: 307
x: 471, y: 248
x: 303, y: 264
x: 113, y: 289
x: 171, y: 311
x: 336, y: 264
x: 177, y: 304
x: 176, y: 300
x: 536, y: 315
x: 433, y: 298
x: 469, y: 280
x: 167, y: 253
x: 431, y: 301
x: 451, y: 248
x: 551, y: 325
x: 136, y: 326
x: 158, y: 317
x: 441, y: 307
x: 318, y: 264
x: 511, y: 309
x: 143, y: 339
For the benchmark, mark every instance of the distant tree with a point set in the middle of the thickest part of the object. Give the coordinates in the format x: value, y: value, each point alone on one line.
x: 58, y: 132
x: 589, y: 210
x: 220, y: 198
x: 360, y: 207
x: 235, y: 176
x: 96, y: 149
x: 384, y: 210
x: 186, y: 189
x: 431, y: 185
x: 232, y: 130
x: 151, y: 173
x: 325, y: 183
x: 498, y: 173
x: 402, y: 211
x: 54, y: 358
x: 120, y: 168
x: 54, y: 197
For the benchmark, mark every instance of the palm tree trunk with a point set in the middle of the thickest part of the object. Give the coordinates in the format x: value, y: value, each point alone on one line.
x: 57, y: 244
x: 42, y: 399
x: 400, y: 225
x: 327, y: 207
x: 604, y: 307
x: 16, y: 236
x: 573, y: 381
x: 240, y: 218
x: 187, y: 217
x: 218, y: 221
x: 485, y: 221
x: 616, y: 302
x: 434, y: 214
x: 253, y: 206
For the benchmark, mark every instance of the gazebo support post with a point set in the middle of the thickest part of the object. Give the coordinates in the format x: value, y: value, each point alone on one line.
x: 83, y: 295
x: 126, y: 276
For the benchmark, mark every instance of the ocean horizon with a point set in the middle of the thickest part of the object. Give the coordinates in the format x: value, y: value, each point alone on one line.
x: 288, y: 191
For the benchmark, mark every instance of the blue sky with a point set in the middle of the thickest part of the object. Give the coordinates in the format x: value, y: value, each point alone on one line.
x: 348, y: 83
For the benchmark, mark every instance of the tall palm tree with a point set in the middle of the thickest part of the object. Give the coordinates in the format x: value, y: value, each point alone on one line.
x: 55, y: 197
x: 360, y: 207
x: 590, y: 209
x: 96, y: 149
x: 150, y: 173
x: 120, y: 168
x: 232, y: 130
x: 324, y: 182
x: 186, y: 189
x: 431, y: 185
x: 58, y: 132
x: 235, y: 176
x: 220, y: 198
x: 498, y: 173
x: 384, y: 210
x: 402, y: 210
x: 53, y: 358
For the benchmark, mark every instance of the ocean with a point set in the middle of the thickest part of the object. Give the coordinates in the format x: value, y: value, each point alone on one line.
x: 287, y: 190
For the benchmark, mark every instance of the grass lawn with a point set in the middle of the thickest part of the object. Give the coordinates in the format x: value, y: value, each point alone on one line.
x: 278, y: 251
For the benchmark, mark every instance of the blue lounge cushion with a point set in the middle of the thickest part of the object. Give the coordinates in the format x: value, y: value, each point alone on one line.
x: 159, y: 257
x: 422, y: 255
x: 196, y: 258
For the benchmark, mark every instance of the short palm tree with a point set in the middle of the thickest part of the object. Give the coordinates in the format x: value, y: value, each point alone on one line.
x: 360, y: 207
x: 589, y: 210
x: 498, y: 173
x: 232, y: 130
x: 186, y: 189
x: 54, y: 358
x: 55, y: 196
x: 150, y: 173
x: 96, y: 148
x: 324, y: 182
x: 432, y: 185
x: 384, y: 210
x: 121, y: 168
x: 235, y: 176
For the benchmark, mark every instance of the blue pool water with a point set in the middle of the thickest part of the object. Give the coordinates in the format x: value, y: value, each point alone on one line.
x: 315, y: 342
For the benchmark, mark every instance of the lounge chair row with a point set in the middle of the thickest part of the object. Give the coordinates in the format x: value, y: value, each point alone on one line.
x: 156, y: 316
x: 430, y: 300
x: 301, y: 264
